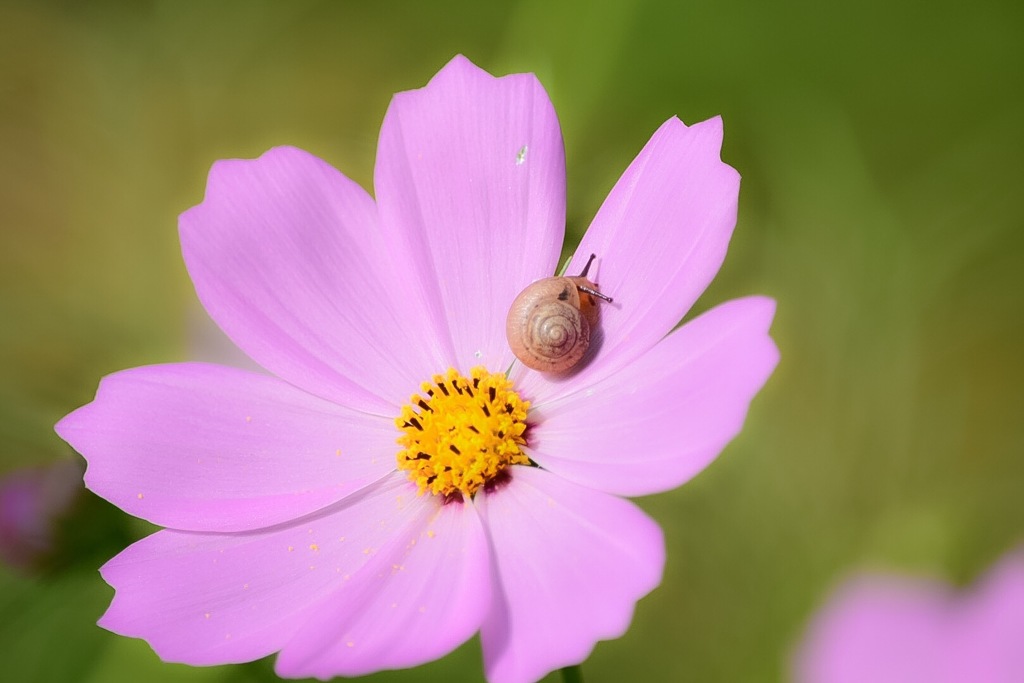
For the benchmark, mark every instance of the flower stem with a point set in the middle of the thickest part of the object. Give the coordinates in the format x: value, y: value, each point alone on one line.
x: 572, y: 674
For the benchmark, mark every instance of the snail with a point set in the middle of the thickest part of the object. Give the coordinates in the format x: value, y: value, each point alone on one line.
x: 548, y: 326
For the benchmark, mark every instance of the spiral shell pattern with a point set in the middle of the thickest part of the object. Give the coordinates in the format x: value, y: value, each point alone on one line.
x: 556, y: 335
x: 545, y: 327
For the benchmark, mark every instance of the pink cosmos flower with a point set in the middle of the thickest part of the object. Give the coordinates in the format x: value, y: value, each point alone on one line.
x: 33, y: 501
x: 319, y: 511
x: 888, y: 629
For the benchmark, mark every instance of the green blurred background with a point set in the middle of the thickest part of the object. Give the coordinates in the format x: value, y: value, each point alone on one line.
x: 882, y: 151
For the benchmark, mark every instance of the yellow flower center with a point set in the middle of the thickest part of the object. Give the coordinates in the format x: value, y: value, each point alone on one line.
x: 463, y: 433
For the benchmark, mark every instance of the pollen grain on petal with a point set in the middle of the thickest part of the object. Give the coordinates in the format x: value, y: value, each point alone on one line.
x: 521, y: 155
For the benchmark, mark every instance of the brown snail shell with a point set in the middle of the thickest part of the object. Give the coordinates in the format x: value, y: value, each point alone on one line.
x: 548, y: 326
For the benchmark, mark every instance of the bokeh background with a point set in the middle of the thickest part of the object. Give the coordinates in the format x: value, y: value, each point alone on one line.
x: 882, y: 149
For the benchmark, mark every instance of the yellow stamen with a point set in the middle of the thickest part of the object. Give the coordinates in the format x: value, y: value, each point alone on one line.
x: 463, y: 433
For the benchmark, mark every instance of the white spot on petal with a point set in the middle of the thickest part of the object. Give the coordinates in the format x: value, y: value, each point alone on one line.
x: 521, y: 155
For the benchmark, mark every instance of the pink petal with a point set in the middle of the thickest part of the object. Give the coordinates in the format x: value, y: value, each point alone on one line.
x: 660, y: 238
x: 879, y: 629
x: 287, y: 257
x: 572, y: 563
x: 663, y: 419
x: 990, y: 627
x: 221, y: 598
x: 421, y: 596
x: 211, y: 448
x: 470, y: 177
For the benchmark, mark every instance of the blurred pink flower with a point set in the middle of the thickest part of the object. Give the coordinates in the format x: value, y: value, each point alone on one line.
x: 888, y: 629
x: 32, y: 502
x: 295, y: 523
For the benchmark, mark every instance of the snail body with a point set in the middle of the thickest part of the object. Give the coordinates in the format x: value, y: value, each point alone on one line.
x: 549, y: 324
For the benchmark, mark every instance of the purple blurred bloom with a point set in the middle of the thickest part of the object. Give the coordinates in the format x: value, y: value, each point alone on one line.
x: 289, y: 526
x: 32, y: 502
x: 888, y: 629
